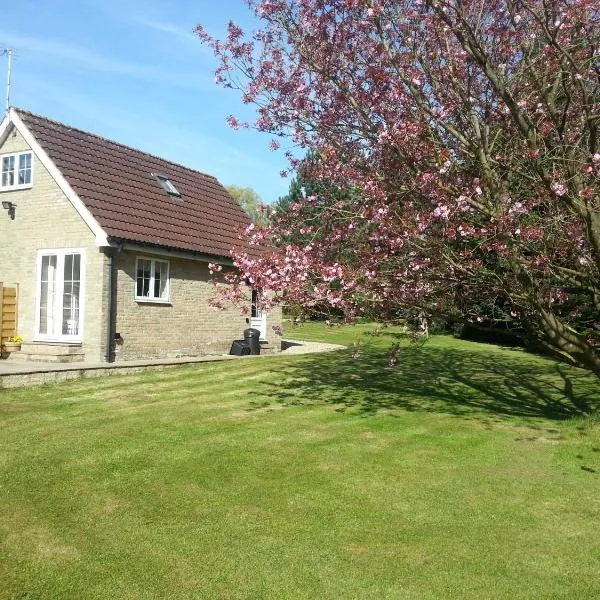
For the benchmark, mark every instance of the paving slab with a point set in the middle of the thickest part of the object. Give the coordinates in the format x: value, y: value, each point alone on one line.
x: 302, y: 347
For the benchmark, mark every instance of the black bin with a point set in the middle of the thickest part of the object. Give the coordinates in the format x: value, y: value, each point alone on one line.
x: 239, y: 348
x: 252, y: 338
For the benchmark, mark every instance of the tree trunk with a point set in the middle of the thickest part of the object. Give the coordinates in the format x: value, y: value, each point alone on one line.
x: 567, y: 342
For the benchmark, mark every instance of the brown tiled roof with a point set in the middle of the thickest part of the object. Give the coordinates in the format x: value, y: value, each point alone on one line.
x: 115, y: 183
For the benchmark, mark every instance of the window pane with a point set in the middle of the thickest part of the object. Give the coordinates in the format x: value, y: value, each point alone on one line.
x: 70, y: 316
x: 8, y: 171
x: 68, y: 269
x: 163, y: 285
x: 256, y: 312
x: 24, y: 169
x: 72, y: 267
x: 157, y: 275
x: 47, y: 294
x: 44, y: 308
x: 71, y: 290
x: 143, y: 278
x: 160, y: 280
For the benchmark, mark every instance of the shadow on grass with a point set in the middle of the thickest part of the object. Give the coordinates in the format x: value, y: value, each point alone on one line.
x: 449, y: 380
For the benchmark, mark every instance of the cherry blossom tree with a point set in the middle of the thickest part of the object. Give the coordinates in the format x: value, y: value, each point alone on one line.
x: 470, y: 129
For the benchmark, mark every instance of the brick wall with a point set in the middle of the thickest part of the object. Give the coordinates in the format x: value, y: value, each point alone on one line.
x: 274, y: 318
x: 186, y: 325
x: 46, y: 219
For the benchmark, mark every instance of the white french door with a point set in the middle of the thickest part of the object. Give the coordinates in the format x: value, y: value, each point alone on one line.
x: 258, y: 317
x: 59, y: 303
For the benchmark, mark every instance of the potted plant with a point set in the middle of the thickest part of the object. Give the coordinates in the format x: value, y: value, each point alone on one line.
x: 13, y: 344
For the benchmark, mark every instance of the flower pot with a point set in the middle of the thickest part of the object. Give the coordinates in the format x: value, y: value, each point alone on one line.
x: 12, y: 346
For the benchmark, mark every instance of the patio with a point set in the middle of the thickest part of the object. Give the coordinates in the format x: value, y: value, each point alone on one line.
x: 17, y: 373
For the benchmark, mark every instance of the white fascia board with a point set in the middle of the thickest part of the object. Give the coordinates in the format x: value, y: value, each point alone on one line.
x: 63, y: 184
x: 182, y: 254
x: 4, y: 128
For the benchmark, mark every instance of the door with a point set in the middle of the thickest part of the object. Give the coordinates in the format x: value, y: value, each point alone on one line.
x: 258, y: 317
x: 59, y: 297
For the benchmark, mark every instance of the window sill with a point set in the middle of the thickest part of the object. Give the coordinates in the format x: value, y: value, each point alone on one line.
x: 16, y: 188
x: 152, y: 301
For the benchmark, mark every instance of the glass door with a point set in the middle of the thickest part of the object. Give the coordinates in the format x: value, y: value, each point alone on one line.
x: 58, y: 315
x: 258, y: 317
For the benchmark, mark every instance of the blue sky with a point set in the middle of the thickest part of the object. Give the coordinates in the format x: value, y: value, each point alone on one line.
x: 134, y: 72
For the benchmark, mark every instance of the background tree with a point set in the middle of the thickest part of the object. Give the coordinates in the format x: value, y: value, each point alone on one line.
x: 470, y: 129
x: 301, y: 214
x: 250, y: 201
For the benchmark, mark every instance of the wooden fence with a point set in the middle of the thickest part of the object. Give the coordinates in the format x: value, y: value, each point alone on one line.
x: 8, y: 312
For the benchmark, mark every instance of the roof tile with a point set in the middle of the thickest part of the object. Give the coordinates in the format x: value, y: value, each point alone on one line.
x: 115, y: 183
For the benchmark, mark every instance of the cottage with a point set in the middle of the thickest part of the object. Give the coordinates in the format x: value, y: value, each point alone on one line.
x: 109, y: 248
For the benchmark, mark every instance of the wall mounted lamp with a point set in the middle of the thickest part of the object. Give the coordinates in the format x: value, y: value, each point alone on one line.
x: 10, y: 208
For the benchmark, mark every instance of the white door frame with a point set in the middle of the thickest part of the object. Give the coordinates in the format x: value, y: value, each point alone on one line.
x: 57, y: 316
x: 258, y: 316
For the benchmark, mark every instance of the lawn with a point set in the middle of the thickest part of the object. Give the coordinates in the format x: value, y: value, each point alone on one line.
x: 467, y: 471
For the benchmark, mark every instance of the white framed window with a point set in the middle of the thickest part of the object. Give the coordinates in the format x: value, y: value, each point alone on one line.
x: 16, y: 171
x: 60, y: 295
x: 151, y: 280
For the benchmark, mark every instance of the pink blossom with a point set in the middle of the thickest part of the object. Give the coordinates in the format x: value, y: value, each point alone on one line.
x: 449, y: 177
x: 233, y: 122
x: 558, y: 188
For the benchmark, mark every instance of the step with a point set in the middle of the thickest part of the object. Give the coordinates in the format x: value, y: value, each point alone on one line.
x: 52, y: 352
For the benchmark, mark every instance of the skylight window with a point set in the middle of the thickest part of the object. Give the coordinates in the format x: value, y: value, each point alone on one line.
x: 167, y: 185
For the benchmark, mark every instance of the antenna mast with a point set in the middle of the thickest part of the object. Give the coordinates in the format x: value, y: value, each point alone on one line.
x: 9, y: 53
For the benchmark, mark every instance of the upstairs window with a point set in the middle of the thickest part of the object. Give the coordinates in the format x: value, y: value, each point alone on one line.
x: 15, y: 171
x: 167, y: 185
x: 152, y: 280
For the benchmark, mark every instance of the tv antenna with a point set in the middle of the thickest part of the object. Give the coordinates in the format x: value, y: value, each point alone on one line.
x: 9, y: 54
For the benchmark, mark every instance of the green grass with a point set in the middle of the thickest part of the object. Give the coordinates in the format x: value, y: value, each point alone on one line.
x: 468, y: 471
